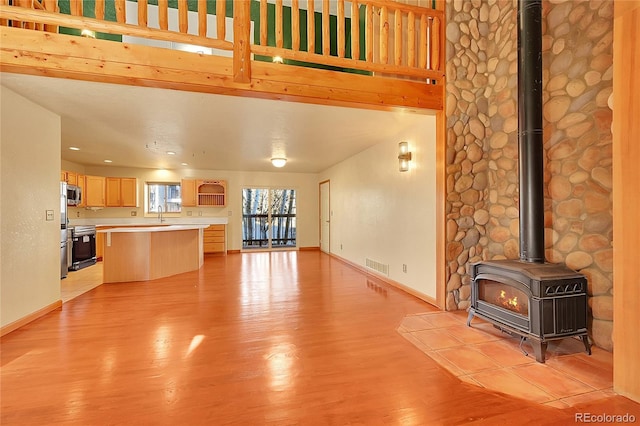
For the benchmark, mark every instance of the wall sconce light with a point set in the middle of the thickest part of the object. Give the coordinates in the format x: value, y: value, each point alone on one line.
x: 278, y: 162
x: 404, y: 156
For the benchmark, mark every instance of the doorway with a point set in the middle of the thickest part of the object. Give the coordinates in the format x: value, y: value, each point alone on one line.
x: 268, y: 218
x: 325, y: 217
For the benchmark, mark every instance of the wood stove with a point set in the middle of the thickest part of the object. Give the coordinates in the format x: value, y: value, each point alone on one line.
x: 531, y: 298
x: 537, y: 301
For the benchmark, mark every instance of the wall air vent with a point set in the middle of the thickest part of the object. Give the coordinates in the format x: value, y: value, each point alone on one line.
x: 377, y: 266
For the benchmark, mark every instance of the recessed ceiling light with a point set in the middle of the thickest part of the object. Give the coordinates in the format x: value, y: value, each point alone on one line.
x: 171, y: 153
x: 185, y: 164
x: 74, y: 148
x: 278, y: 162
x: 108, y: 161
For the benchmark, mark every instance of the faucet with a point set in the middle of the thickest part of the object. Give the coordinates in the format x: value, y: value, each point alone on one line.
x: 160, y: 214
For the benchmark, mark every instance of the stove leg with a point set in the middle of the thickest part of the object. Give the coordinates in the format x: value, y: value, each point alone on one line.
x: 470, y: 317
x: 539, y: 349
x: 585, y: 340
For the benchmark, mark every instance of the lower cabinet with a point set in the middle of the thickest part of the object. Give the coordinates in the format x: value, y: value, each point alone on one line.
x: 214, y: 239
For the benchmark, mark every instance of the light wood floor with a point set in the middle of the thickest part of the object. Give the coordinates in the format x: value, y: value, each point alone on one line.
x: 262, y: 338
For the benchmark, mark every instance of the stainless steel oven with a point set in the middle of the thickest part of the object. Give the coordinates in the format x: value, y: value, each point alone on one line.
x: 84, y: 247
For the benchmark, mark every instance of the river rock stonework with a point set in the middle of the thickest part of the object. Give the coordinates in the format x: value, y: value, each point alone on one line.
x: 482, y: 144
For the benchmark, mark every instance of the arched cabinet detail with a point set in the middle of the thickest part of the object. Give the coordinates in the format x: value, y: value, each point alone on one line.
x: 212, y: 193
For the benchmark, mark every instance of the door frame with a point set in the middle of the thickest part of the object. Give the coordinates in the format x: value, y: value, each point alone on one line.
x: 270, y: 247
x: 320, y: 185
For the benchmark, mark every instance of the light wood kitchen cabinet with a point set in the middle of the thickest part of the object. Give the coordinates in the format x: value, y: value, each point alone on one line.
x: 121, y: 192
x: 129, y: 192
x: 83, y: 190
x: 113, y: 192
x: 214, y: 239
x: 95, y: 191
x: 188, y: 193
x: 212, y: 193
x: 70, y: 178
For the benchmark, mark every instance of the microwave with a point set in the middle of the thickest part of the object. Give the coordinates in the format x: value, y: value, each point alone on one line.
x: 74, y: 195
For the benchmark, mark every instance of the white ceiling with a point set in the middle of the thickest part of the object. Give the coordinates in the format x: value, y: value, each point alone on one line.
x: 136, y: 126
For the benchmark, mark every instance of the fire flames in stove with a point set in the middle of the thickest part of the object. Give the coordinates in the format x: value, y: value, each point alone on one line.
x: 504, y: 296
x: 510, y: 303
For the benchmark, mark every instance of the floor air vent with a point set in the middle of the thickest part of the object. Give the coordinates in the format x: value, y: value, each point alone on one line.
x: 377, y: 266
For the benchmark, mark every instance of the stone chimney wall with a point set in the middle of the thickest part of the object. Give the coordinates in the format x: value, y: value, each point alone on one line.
x: 482, y: 144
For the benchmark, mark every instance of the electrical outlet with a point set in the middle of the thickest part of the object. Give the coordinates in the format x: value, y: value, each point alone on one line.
x: 199, y: 213
x: 189, y: 213
x: 404, y: 268
x: 77, y: 214
x: 49, y: 214
x: 134, y: 213
x: 229, y: 213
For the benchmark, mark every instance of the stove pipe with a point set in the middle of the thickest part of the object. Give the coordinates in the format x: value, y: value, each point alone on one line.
x: 530, y: 142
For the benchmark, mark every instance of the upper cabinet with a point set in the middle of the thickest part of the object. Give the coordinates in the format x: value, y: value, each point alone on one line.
x: 95, y: 191
x: 203, y: 193
x: 129, y: 192
x: 70, y: 177
x: 188, y: 193
x: 212, y: 193
x: 121, y: 192
x: 83, y: 190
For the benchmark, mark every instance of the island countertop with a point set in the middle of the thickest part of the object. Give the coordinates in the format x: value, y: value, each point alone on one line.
x: 148, y: 252
x: 149, y: 221
x: 151, y: 228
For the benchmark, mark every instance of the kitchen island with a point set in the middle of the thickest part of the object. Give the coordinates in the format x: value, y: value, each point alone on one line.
x: 151, y: 252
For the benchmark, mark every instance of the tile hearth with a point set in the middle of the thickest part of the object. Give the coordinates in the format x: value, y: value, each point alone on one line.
x: 484, y: 356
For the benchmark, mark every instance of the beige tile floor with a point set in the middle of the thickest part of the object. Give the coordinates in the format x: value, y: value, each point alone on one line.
x: 79, y: 282
x: 484, y: 356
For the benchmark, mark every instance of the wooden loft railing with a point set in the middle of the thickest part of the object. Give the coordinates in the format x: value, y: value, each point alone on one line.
x: 399, y: 47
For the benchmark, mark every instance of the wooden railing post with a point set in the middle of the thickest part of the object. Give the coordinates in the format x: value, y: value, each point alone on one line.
x: 242, y: 42
x: 183, y: 17
x: 341, y: 29
x: 384, y: 34
x: 143, y: 13
x: 355, y: 30
x: 99, y: 9
x: 311, y: 27
x: 163, y: 14
x: 326, y: 33
x: 121, y: 16
x: 279, y: 22
x: 202, y: 20
x: 221, y: 23
x: 295, y: 25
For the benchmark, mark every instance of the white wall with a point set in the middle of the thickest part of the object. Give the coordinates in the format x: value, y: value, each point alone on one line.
x: 29, y: 185
x: 385, y: 215
x: 305, y: 184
